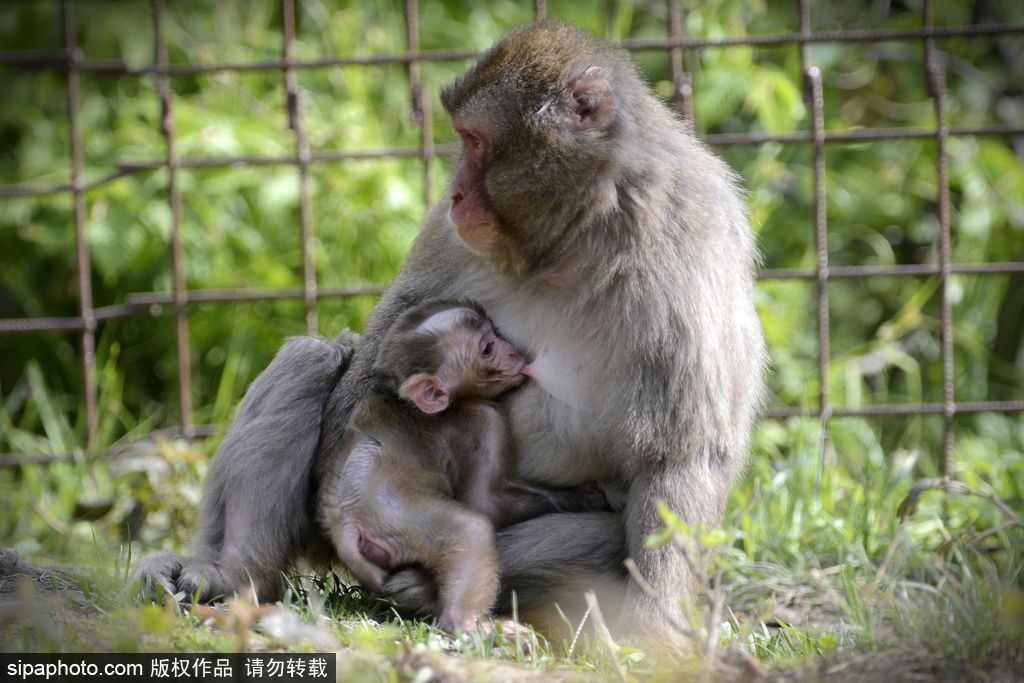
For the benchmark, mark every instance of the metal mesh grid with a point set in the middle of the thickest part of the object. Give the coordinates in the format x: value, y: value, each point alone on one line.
x: 71, y: 61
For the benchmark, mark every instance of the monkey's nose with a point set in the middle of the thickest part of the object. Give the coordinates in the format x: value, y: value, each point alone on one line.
x: 456, y: 197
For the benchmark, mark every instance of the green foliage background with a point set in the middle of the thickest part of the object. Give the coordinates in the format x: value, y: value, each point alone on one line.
x: 240, y: 226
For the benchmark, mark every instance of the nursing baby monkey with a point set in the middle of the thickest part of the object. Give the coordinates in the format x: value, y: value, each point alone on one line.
x: 424, y: 475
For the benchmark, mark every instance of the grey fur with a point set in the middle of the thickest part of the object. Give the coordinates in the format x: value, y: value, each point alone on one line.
x: 634, y: 280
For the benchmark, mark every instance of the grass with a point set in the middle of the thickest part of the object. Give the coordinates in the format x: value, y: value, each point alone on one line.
x: 814, y: 575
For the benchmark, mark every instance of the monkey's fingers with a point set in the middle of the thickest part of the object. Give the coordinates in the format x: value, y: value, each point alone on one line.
x: 511, y: 632
x: 511, y: 628
x: 155, y: 577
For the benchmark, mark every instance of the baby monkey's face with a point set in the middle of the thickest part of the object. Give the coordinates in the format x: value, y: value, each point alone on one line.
x: 486, y: 363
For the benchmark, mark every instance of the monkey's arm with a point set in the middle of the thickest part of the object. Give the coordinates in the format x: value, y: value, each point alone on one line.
x: 665, y: 568
x: 253, y: 518
x: 515, y: 502
x: 482, y: 468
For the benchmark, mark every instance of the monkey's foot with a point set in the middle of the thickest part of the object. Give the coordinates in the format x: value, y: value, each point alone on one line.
x: 162, y: 575
x: 156, y: 576
x: 205, y: 581
x: 413, y: 590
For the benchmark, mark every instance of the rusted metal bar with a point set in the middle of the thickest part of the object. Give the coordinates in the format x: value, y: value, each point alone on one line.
x: 207, y: 296
x: 56, y: 59
x: 36, y: 325
x: 115, y: 68
x: 330, y: 156
x: 181, y: 338
x: 150, y: 303
x: 859, y: 135
x: 421, y: 105
x: 682, y: 80
x: 845, y: 36
x: 53, y: 60
x: 816, y: 102
x: 37, y: 190
x: 70, y: 60
x: 82, y: 259
x: 935, y: 76
x: 8, y: 460
x: 302, y: 159
x: 133, y: 301
x: 901, y: 410
x: 910, y: 270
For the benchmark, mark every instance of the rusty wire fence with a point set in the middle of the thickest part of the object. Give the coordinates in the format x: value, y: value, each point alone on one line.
x: 71, y: 61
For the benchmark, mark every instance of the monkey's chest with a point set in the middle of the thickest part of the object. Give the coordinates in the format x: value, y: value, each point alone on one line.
x: 557, y: 420
x: 554, y: 440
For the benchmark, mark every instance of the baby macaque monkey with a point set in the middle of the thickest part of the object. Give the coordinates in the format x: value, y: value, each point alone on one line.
x: 425, y: 473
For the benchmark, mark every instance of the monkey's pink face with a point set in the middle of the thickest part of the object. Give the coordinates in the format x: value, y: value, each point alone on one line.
x: 476, y: 224
x: 500, y: 365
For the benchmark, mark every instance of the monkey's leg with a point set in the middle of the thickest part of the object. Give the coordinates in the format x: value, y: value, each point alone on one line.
x: 467, y: 570
x: 555, y: 559
x: 254, y: 516
x: 348, y: 541
x: 456, y: 545
x: 695, y: 492
x: 547, y: 564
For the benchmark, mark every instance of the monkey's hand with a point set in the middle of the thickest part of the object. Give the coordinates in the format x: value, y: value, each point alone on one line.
x: 414, y: 591
x: 510, y: 628
x: 589, y: 497
x: 512, y: 633
x: 586, y: 498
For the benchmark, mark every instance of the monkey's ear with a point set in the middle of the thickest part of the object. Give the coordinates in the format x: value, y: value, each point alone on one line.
x: 590, y: 101
x: 428, y: 393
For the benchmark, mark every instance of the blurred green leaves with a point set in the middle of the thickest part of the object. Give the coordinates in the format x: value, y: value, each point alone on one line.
x: 240, y: 225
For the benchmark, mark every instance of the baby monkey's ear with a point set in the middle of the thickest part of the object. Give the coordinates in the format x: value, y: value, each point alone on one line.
x: 427, y: 391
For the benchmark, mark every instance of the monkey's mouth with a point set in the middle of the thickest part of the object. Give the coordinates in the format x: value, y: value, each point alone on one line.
x: 466, y: 216
x: 479, y: 236
x: 514, y: 377
x: 486, y: 224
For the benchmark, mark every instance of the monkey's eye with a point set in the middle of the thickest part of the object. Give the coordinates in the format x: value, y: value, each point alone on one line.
x: 488, y: 350
x: 472, y: 140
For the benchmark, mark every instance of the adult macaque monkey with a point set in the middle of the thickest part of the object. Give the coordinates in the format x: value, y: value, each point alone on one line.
x: 612, y: 247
